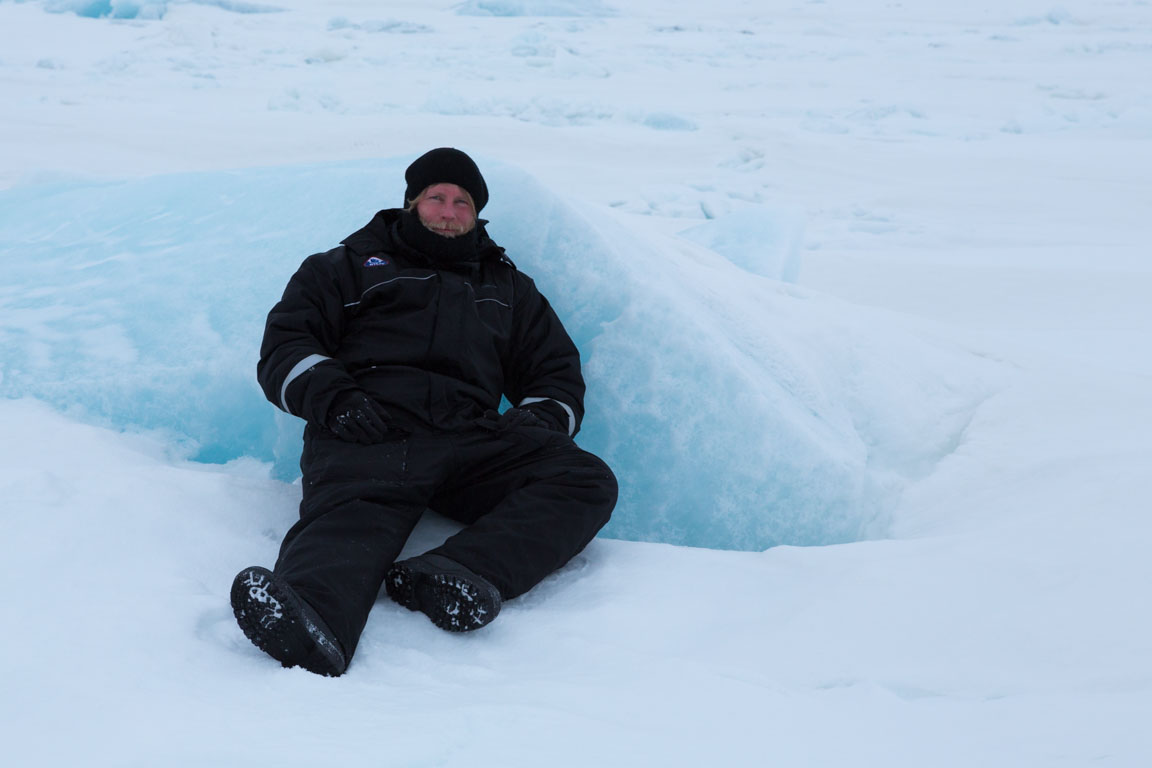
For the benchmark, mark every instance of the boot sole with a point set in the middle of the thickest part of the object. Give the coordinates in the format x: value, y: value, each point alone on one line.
x: 453, y: 603
x: 282, y: 625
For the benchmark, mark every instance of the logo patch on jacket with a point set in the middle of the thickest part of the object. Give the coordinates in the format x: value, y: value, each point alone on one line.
x: 376, y: 261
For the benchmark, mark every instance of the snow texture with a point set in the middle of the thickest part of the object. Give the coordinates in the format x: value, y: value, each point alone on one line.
x: 871, y: 277
x: 144, y: 309
x: 534, y: 8
x: 144, y: 9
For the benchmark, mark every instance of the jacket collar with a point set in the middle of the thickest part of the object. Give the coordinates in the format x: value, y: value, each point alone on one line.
x: 379, y: 234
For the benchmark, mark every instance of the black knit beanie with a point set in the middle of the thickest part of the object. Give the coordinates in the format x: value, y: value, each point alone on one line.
x: 445, y: 166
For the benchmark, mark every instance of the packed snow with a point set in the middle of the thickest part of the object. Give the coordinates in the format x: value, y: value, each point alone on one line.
x: 861, y: 291
x: 834, y: 406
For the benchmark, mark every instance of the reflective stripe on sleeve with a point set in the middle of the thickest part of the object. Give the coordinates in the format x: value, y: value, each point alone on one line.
x: 298, y: 369
x: 567, y: 409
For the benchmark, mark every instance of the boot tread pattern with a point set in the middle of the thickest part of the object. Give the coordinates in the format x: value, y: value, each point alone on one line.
x: 452, y: 602
x: 278, y: 623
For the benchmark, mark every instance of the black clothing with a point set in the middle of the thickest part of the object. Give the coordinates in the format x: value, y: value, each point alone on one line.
x: 357, y: 418
x: 543, y: 414
x: 282, y: 625
x: 452, y: 596
x: 434, y: 247
x: 434, y: 342
x: 445, y: 166
x: 548, y: 412
x: 532, y: 497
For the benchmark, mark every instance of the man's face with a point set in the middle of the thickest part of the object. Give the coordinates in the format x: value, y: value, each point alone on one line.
x: 446, y: 209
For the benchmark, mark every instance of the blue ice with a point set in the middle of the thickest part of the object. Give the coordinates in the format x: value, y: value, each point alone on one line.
x: 738, y: 412
x: 144, y: 9
x: 764, y: 241
x: 534, y: 8
x: 664, y: 121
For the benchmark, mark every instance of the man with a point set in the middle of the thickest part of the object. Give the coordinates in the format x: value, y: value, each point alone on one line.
x: 395, y: 348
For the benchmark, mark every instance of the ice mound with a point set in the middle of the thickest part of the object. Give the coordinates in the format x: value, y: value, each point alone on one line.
x: 737, y: 411
x: 764, y: 241
x: 141, y: 303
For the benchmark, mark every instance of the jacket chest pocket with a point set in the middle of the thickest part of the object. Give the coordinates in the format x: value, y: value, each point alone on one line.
x: 399, y: 294
x: 493, y: 307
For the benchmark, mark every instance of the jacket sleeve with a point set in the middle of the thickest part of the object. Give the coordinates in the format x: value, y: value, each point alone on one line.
x: 297, y: 370
x: 543, y: 363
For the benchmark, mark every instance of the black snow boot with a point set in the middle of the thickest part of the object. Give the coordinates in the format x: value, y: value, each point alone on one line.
x: 455, y: 598
x: 282, y: 625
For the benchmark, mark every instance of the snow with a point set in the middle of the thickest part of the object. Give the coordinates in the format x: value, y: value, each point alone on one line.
x: 862, y: 295
x: 148, y: 9
x: 835, y: 407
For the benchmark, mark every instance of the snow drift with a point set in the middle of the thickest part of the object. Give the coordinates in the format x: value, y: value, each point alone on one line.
x: 140, y: 305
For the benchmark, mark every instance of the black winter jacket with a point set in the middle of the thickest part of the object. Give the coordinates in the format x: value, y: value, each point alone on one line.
x: 436, y: 344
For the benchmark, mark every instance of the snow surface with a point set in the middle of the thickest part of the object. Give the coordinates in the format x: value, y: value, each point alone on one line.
x: 862, y: 290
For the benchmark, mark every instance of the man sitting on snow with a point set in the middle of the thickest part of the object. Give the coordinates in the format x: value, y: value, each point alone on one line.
x: 395, y: 348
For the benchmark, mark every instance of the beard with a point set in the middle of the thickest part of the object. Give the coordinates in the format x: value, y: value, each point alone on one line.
x: 437, y: 248
x: 447, y: 228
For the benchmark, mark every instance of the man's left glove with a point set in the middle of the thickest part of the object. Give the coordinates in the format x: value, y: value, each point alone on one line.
x: 357, y: 418
x: 545, y: 413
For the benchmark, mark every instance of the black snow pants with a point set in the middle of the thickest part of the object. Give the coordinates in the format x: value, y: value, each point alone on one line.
x: 530, y: 497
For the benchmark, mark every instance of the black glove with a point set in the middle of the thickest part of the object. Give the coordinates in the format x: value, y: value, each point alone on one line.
x: 357, y: 418
x: 547, y: 414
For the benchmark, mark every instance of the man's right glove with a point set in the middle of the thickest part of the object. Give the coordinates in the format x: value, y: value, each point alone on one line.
x: 357, y: 418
